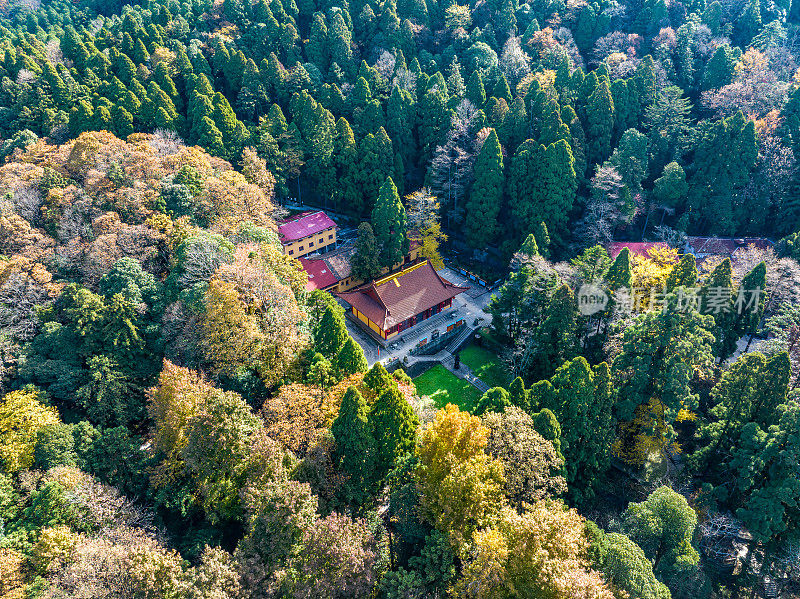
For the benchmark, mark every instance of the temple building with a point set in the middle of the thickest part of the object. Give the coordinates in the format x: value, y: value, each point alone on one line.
x: 398, y: 301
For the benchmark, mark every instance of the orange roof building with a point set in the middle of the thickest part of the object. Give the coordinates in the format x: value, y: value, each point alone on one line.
x: 397, y: 302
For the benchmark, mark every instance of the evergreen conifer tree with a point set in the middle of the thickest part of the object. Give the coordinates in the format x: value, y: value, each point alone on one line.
x: 350, y: 359
x: 486, y: 195
x: 720, y: 70
x: 332, y: 334
x: 389, y: 224
x: 394, y: 425
x: 378, y: 379
x: 599, y: 123
x: 475, y: 91
x: 365, y: 264
x: 355, y: 449
x: 683, y: 274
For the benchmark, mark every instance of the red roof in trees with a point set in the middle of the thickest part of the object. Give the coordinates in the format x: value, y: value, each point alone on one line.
x: 724, y: 246
x: 398, y: 297
x: 635, y: 248
x: 303, y: 225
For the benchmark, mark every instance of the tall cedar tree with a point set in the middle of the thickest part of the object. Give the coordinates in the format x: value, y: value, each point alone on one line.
x: 661, y: 353
x: 394, y: 427
x: 377, y: 379
x: 554, y: 341
x: 599, y: 123
x: 486, y: 195
x: 716, y: 299
x: 683, y: 274
x: 749, y: 391
x: 355, y: 449
x: 582, y: 400
x: 541, y: 186
x: 750, y: 302
x: 350, y: 359
x: 389, y: 224
x: 365, y: 264
x: 331, y: 335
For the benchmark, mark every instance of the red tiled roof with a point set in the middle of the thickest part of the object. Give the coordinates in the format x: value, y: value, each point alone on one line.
x: 304, y: 225
x: 635, y: 248
x: 398, y: 297
x: 725, y: 246
x: 319, y: 274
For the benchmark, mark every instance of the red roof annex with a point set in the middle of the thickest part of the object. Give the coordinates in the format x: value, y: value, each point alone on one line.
x: 319, y: 274
x: 303, y: 225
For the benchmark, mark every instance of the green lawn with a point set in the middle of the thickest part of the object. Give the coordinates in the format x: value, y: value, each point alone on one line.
x: 443, y: 387
x: 486, y: 366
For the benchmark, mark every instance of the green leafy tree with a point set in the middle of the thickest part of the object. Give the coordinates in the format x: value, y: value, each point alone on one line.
x: 749, y: 391
x: 55, y: 446
x: 217, y: 451
x: 582, y: 400
x: 670, y: 188
x: 766, y: 492
x: 495, y: 399
x: 624, y: 564
x: 661, y: 353
x: 663, y: 525
x: 517, y: 394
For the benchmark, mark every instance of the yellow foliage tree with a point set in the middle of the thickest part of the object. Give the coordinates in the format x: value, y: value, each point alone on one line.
x: 297, y: 415
x: 176, y: 399
x: 647, y: 435
x: 650, y: 275
x: 22, y: 416
x: 255, y: 171
x: 252, y: 317
x: 55, y: 548
x: 423, y: 225
x: 12, y: 581
x: 230, y: 335
x: 83, y: 153
x: 540, y: 554
x: 462, y: 489
x: 231, y: 200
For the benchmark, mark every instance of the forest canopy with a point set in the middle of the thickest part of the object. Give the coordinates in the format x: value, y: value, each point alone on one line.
x: 183, y: 415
